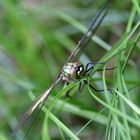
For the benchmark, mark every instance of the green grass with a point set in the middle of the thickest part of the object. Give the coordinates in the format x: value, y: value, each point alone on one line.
x: 36, y: 40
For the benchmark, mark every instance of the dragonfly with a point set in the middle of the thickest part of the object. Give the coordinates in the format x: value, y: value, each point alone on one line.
x: 70, y: 72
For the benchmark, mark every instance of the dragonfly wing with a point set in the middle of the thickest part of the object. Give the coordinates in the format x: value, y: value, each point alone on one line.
x: 91, y: 30
x: 37, y: 105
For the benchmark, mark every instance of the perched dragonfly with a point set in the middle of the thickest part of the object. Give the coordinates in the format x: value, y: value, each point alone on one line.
x: 71, y: 70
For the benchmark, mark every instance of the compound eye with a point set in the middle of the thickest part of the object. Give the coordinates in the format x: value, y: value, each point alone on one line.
x: 80, y: 70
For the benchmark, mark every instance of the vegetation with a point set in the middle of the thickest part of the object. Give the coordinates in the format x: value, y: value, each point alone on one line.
x: 36, y: 39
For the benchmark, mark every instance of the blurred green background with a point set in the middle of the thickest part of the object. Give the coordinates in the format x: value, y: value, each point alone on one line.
x: 36, y: 39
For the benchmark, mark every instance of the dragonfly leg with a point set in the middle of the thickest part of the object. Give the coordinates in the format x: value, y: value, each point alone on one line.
x: 107, y: 69
x: 87, y: 68
x: 81, y: 86
x: 97, y: 90
x: 67, y: 95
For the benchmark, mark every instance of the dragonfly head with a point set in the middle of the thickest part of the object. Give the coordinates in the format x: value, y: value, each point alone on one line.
x: 72, y: 71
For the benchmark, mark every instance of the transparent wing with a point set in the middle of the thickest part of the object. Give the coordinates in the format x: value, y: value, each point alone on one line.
x: 36, y: 108
x: 39, y: 103
x: 91, y: 30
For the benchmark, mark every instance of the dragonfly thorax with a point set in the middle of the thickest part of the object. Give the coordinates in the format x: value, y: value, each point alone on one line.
x: 73, y: 71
